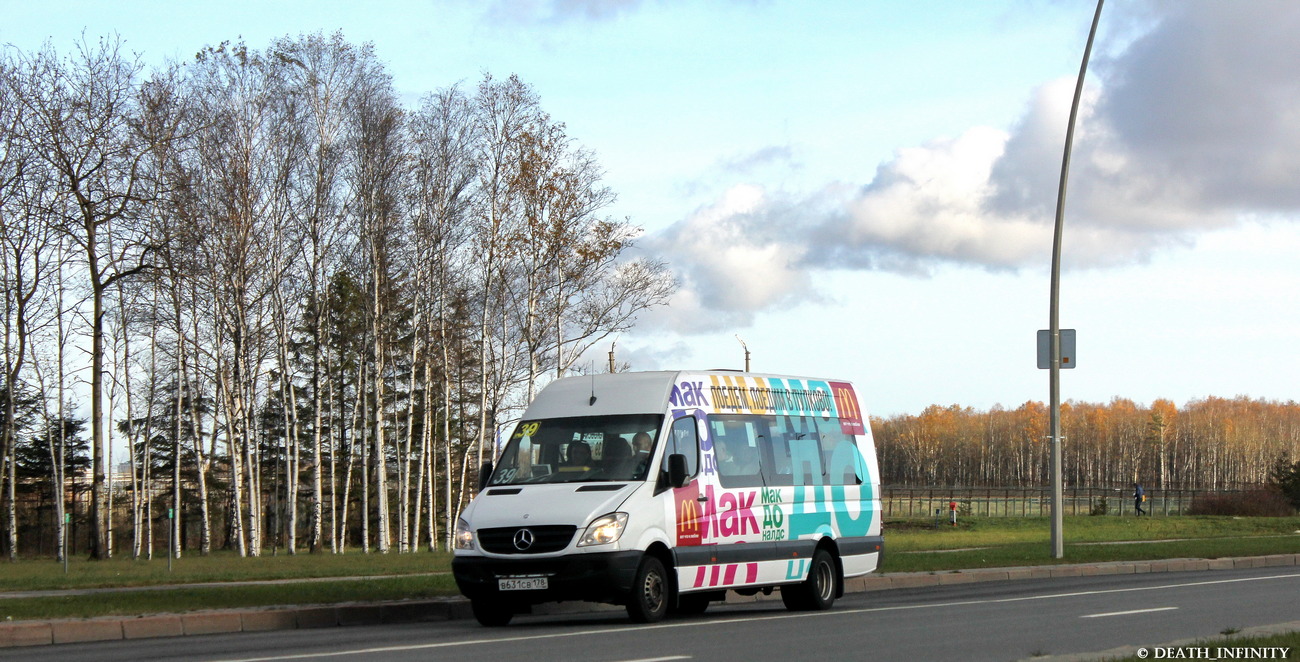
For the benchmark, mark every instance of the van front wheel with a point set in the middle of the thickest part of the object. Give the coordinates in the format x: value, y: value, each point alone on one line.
x: 651, y: 592
x: 818, y: 591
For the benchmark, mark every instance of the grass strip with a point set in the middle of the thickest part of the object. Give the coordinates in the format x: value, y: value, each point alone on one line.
x: 36, y: 575
x: 167, y: 601
x: 915, y: 534
x: 1039, y: 553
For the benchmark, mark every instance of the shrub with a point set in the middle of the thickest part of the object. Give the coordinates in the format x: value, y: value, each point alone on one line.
x: 1285, y: 480
x: 1099, y: 507
x: 1260, y: 502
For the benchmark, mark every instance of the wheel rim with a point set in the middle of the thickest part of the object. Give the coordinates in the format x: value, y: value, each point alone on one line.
x: 825, y: 583
x: 652, y: 591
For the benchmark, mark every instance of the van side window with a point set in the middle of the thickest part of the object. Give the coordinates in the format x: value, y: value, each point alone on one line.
x: 781, y: 451
x: 796, y: 452
x: 739, y: 442
x: 844, y: 460
x: 685, y: 440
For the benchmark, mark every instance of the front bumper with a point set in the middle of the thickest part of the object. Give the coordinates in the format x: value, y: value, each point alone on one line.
x: 600, y: 577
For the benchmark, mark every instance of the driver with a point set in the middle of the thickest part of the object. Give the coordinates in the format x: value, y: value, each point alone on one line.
x: 578, y: 457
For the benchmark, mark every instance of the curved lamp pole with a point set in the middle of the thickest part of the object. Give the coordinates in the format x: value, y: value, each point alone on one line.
x: 1058, y: 543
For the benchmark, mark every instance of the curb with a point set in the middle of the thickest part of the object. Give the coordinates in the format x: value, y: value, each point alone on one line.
x: 37, y: 633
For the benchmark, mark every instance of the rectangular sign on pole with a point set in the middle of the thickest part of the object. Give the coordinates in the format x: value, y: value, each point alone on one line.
x: 1045, y: 349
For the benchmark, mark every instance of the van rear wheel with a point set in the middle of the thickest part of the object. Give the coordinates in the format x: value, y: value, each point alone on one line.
x: 651, y: 592
x: 817, y: 592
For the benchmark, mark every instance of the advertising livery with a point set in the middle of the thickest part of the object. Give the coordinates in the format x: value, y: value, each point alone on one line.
x: 661, y: 491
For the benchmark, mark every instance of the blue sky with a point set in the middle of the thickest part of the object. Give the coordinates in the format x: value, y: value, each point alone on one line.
x: 865, y: 190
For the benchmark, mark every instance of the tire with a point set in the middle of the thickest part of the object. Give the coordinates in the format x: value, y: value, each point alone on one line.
x: 817, y: 592
x: 491, y: 614
x: 691, y: 605
x: 651, y: 592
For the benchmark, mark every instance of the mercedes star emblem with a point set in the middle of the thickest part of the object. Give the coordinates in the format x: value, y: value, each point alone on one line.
x: 523, y: 539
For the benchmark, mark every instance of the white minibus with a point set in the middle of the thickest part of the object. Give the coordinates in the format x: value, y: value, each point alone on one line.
x: 661, y: 491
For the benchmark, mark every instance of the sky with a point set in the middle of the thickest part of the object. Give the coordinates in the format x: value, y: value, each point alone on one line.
x: 866, y: 189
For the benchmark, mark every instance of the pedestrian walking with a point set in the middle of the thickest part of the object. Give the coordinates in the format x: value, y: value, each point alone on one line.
x: 1138, y: 497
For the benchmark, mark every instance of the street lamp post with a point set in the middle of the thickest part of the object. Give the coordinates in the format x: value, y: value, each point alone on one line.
x: 1058, y: 543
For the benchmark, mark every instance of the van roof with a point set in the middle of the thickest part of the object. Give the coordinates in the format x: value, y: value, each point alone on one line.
x: 621, y: 393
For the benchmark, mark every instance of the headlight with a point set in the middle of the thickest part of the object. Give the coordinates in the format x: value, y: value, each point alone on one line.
x: 464, y: 535
x: 606, y: 529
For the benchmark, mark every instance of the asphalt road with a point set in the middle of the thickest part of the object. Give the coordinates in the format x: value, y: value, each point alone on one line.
x: 992, y: 621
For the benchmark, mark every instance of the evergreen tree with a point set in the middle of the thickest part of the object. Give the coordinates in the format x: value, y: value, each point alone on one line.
x: 1285, y: 478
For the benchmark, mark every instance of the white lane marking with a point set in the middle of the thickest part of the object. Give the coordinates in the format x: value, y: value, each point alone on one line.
x: 742, y: 619
x: 1127, y: 613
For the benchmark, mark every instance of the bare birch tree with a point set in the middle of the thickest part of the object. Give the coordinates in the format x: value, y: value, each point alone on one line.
x: 81, y: 120
x: 504, y: 111
x: 325, y: 72
x: 443, y: 133
x: 376, y: 177
x: 242, y: 176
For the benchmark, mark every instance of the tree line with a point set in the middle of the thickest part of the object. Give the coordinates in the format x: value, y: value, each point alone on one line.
x: 301, y: 307
x: 1209, y: 444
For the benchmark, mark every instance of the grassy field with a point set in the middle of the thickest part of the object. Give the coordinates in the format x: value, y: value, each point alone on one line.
x: 911, y: 546
x: 919, y: 546
x: 218, y: 567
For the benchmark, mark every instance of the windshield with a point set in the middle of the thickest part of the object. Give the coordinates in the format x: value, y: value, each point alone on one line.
x: 579, y: 449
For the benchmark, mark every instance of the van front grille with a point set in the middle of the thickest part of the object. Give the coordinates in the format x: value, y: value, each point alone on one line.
x: 552, y: 538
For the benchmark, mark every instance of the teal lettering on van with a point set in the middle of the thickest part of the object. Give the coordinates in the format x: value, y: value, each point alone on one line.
x: 806, y: 460
x: 846, y: 458
x: 688, y: 394
x: 813, y: 513
x: 809, y: 515
x: 796, y: 568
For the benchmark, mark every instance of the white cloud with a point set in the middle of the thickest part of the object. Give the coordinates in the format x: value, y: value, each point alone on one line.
x: 929, y: 204
x: 1209, y: 100
x: 1190, y: 127
x: 733, y: 258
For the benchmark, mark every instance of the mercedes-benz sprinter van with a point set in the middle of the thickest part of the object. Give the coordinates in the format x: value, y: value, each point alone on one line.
x: 663, y: 490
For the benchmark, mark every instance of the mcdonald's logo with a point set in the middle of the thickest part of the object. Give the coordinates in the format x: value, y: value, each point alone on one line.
x: 689, y: 526
x: 846, y: 404
x: 689, y: 513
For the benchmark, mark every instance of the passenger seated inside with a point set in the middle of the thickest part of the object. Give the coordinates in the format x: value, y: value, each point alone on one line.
x: 616, y: 453
x: 735, y: 457
x: 578, y: 457
x: 641, y: 442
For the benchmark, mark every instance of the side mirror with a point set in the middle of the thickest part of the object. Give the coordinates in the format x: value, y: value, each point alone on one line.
x: 677, y: 476
x: 484, y: 474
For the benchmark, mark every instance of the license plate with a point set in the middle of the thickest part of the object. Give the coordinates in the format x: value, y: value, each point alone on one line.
x: 522, y: 583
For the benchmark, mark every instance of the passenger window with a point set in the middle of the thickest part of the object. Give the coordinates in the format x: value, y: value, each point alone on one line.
x: 737, y: 449
x: 796, y: 452
x: 780, y: 471
x: 846, y: 465
x: 685, y: 440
